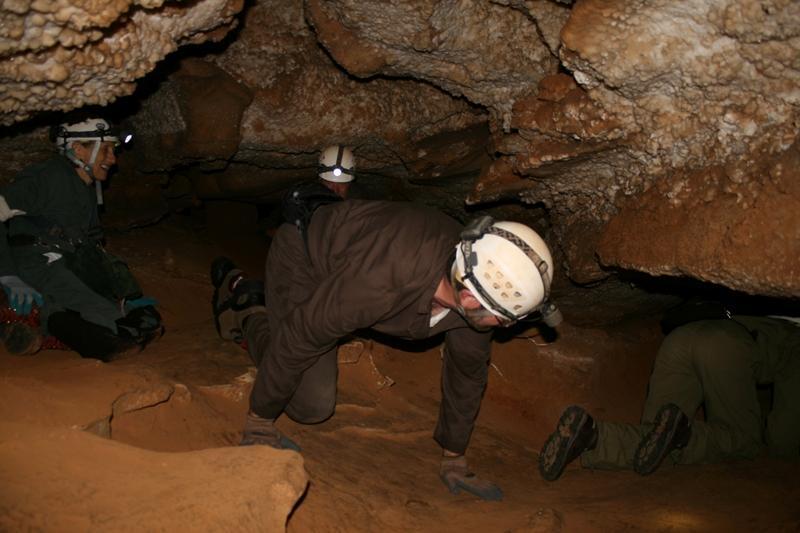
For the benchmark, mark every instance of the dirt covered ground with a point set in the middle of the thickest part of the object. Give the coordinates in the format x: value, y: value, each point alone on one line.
x: 148, y: 442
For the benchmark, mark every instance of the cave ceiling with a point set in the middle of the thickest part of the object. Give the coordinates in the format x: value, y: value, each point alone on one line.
x: 658, y: 136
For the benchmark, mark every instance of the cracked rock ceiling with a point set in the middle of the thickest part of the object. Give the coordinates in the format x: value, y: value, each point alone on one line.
x: 659, y: 136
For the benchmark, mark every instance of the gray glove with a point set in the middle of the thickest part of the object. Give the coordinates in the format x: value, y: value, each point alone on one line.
x: 21, y: 296
x: 261, y: 431
x: 455, y: 473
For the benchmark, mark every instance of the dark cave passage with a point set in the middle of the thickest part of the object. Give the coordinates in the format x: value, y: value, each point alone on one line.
x: 652, y: 151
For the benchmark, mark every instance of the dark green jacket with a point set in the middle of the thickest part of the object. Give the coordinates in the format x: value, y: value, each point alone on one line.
x: 60, y: 209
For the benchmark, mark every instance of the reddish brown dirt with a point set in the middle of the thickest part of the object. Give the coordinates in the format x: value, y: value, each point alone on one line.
x: 373, y: 465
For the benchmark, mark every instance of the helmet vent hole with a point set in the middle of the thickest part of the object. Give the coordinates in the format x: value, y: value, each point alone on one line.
x: 517, y: 307
x: 508, y: 285
x: 490, y: 263
x: 499, y: 275
x: 487, y: 275
x: 496, y: 286
x: 504, y: 295
x: 517, y: 295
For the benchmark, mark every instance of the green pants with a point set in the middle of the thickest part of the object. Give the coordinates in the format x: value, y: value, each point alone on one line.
x: 718, y: 364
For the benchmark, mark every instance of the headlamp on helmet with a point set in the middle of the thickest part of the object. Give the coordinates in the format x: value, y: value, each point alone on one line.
x: 91, y: 130
x: 336, y: 164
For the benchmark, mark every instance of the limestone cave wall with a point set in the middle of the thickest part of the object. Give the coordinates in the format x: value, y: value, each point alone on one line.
x: 659, y: 136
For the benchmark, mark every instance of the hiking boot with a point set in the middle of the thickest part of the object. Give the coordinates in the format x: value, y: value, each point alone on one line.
x: 224, y: 276
x: 220, y: 268
x: 575, y: 433
x: 235, y: 298
x: 247, y: 299
x: 671, y: 431
x: 20, y: 338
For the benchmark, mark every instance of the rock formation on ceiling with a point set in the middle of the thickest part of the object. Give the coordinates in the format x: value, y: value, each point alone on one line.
x: 288, y: 100
x: 708, y: 94
x: 62, y: 54
x: 660, y: 135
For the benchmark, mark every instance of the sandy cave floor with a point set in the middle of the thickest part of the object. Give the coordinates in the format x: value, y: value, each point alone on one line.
x: 373, y: 465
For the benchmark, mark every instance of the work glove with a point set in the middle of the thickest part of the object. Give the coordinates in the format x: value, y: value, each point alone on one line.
x: 262, y: 431
x: 21, y: 296
x: 142, y: 324
x: 455, y: 473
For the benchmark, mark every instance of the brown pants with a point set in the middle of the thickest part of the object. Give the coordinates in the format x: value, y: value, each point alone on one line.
x: 314, y: 399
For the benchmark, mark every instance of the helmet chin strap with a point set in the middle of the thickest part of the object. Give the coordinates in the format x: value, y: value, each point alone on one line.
x: 87, y: 167
x: 98, y: 187
x: 69, y: 153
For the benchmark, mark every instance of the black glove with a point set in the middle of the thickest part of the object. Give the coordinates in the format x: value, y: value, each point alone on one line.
x: 142, y: 323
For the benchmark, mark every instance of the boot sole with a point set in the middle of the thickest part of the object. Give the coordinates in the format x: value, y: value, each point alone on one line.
x: 225, y: 319
x: 553, y: 458
x: 220, y: 268
x: 229, y: 315
x: 224, y: 315
x: 657, y: 444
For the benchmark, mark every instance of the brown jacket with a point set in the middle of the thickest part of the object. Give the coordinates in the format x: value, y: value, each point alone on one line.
x: 368, y: 265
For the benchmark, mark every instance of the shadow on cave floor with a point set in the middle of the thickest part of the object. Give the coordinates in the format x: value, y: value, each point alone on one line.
x: 373, y: 465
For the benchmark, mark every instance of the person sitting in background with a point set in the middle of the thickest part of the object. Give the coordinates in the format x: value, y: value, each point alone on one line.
x: 716, y: 363
x: 335, y: 174
x: 52, y: 255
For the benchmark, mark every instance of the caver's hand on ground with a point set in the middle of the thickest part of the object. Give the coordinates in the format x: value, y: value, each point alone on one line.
x: 455, y: 473
x: 260, y: 431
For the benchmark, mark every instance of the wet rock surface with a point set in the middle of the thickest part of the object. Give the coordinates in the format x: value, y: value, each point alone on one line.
x: 61, y: 55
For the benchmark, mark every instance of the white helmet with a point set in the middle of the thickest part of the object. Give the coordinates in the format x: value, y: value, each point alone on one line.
x: 506, y: 265
x: 336, y: 164
x: 93, y: 129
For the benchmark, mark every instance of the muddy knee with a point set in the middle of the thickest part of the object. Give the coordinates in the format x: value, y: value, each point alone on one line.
x: 312, y: 405
x: 308, y: 412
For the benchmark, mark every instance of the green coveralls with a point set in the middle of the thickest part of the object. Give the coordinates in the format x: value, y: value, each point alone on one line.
x: 61, y: 220
x: 718, y: 363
